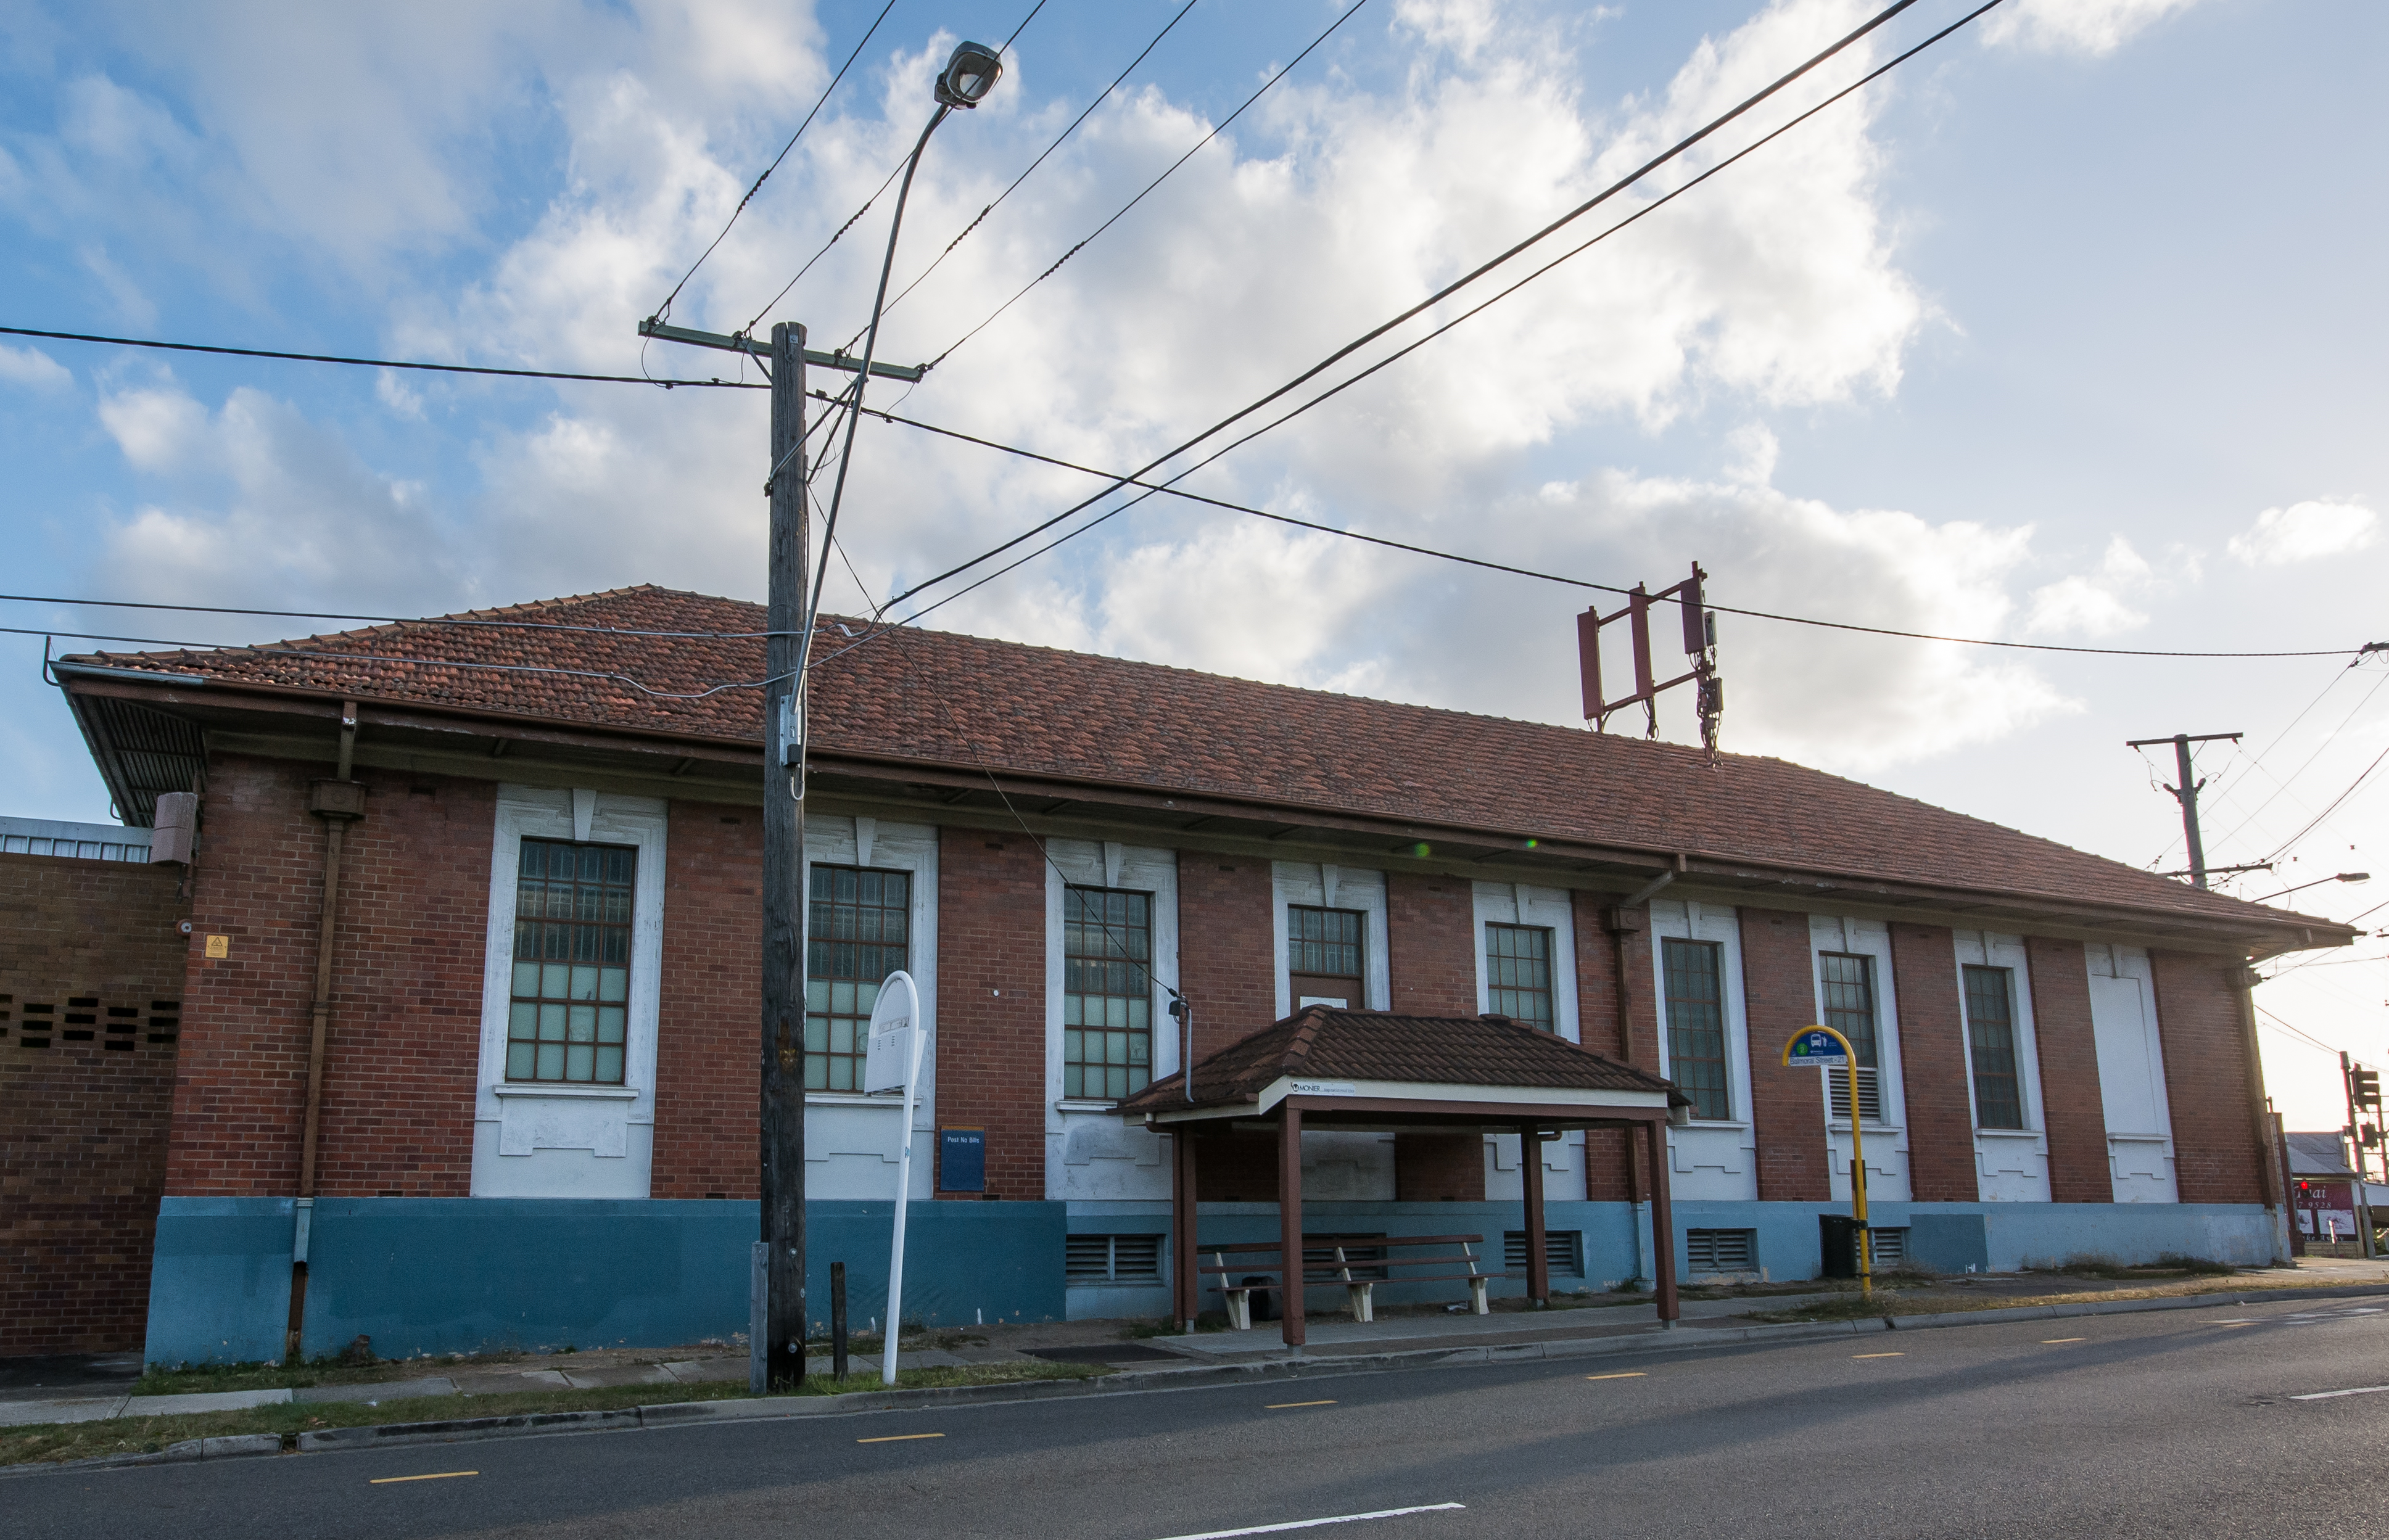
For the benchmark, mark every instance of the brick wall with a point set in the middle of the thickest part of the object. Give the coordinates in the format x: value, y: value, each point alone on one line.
x: 708, y: 1027
x: 1613, y: 1159
x: 1235, y: 1167
x: 1226, y: 941
x: 2215, y: 1141
x: 1431, y: 963
x: 1431, y: 945
x: 1432, y: 1168
x: 407, y: 1002
x: 1934, y: 1065
x: 991, y: 1001
x: 2071, y: 1110
x: 1786, y: 1106
x: 83, y: 1120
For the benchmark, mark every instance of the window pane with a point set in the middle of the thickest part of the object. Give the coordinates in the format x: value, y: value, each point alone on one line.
x: 1696, y: 998
x: 1990, y: 1030
x: 857, y: 929
x: 1518, y: 972
x: 585, y: 893
x: 1107, y: 940
x: 1847, y: 987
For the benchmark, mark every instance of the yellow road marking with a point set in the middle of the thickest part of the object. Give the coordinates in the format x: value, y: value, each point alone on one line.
x: 1287, y: 1405
x: 1637, y: 1374
x: 434, y: 1476
x: 897, y: 1438
x: 1878, y: 1354
x: 2051, y: 1342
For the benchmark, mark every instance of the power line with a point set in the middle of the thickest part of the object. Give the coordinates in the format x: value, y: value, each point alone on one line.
x: 1101, y: 96
x: 377, y: 619
x: 1531, y: 572
x: 278, y: 651
x: 748, y: 330
x: 384, y: 362
x: 664, y: 309
x: 1349, y: 13
x: 1449, y: 289
x: 2333, y: 808
x: 2281, y: 786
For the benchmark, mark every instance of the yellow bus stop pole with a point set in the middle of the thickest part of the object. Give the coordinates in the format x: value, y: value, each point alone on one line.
x: 1857, y: 1152
x: 1858, y: 1178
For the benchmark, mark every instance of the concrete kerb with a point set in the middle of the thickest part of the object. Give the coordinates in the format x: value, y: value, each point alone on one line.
x: 1153, y: 1381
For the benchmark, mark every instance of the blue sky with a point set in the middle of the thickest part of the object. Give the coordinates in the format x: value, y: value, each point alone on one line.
x: 2069, y: 332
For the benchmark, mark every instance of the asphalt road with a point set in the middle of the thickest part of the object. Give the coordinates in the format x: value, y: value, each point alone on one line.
x: 2173, y: 1424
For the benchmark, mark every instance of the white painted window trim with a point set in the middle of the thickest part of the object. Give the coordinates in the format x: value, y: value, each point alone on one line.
x: 1989, y: 949
x: 582, y: 817
x: 1131, y: 867
x: 872, y: 843
x: 1523, y: 904
x: 1829, y: 933
x: 1327, y: 886
x: 1689, y: 920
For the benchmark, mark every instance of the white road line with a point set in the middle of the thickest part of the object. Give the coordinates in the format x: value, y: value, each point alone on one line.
x: 1314, y: 1523
x: 2331, y: 1395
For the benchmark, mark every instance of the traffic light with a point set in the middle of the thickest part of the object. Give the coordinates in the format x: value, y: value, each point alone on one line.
x: 2371, y: 1137
x: 2365, y: 1086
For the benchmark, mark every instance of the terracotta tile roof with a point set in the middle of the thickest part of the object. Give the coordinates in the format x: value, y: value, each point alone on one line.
x: 1322, y: 1043
x: 940, y: 699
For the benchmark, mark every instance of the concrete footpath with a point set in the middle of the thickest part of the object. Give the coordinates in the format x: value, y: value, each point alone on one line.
x: 1632, y: 1340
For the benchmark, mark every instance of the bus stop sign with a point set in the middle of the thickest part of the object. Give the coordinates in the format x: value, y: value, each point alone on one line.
x: 1814, y: 1050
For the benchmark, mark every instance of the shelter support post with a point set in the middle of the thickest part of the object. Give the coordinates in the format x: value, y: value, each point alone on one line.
x: 1289, y: 1219
x: 1186, y: 1282
x: 1530, y: 1166
x: 1662, y: 1222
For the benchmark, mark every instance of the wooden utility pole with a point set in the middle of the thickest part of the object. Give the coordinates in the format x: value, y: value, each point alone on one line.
x: 2187, y: 794
x: 782, y: 1117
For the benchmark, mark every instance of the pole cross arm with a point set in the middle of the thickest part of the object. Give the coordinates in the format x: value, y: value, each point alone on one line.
x: 655, y: 328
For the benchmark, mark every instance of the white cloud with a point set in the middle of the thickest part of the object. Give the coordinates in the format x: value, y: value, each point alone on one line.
x: 2093, y: 27
x: 268, y: 507
x: 33, y: 368
x: 2321, y: 527
x: 2092, y: 603
x: 1753, y: 451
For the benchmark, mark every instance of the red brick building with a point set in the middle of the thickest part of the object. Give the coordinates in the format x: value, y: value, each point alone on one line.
x: 533, y: 1118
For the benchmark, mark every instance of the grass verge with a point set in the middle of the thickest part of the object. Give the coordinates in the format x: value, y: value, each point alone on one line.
x: 55, y: 1442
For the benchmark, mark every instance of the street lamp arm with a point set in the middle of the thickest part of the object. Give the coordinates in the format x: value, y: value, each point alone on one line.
x: 854, y: 409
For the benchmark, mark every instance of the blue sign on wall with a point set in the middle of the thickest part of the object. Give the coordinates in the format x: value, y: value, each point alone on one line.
x: 961, y: 1160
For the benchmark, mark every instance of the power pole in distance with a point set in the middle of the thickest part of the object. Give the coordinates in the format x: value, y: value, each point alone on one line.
x: 2187, y: 792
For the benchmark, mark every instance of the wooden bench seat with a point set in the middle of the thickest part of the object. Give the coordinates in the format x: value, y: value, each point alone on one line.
x: 1328, y: 1260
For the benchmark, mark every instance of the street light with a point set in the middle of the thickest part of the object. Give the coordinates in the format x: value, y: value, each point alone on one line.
x: 2342, y: 877
x: 970, y: 73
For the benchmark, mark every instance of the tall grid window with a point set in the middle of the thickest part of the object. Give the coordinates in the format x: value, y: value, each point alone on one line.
x: 1106, y: 993
x: 859, y: 932
x: 1990, y: 1032
x: 1696, y: 1025
x: 569, y: 1013
x: 1518, y: 972
x: 1848, y: 981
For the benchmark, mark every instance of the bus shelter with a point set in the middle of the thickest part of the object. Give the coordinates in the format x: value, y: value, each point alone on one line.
x: 1367, y: 1071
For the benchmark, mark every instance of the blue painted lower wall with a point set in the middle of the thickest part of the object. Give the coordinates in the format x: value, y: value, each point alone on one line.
x: 458, y: 1274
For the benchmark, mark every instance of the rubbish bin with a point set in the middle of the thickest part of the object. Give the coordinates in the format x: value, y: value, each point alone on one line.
x: 1839, y: 1235
x: 1264, y: 1308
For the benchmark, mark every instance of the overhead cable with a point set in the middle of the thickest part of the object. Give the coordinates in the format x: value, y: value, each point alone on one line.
x: 386, y: 362
x: 1101, y: 96
x: 1538, y: 575
x: 279, y: 651
x: 1470, y: 277
x: 1354, y: 9
x: 664, y: 310
x: 748, y: 330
